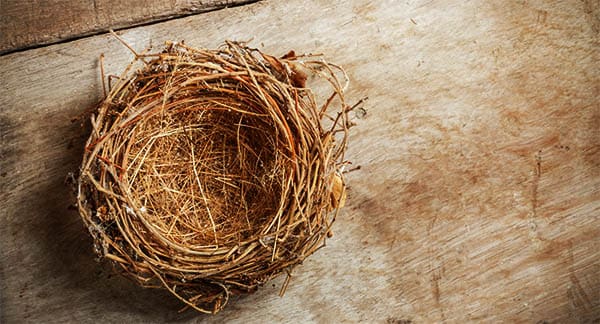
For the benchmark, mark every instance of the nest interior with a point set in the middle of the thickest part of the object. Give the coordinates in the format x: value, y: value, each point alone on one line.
x: 208, y: 172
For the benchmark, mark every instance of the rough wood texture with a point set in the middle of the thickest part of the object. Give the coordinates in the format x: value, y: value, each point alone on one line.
x: 33, y: 22
x: 478, y: 197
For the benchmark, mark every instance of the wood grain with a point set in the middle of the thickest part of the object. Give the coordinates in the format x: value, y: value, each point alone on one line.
x: 29, y: 23
x: 478, y: 196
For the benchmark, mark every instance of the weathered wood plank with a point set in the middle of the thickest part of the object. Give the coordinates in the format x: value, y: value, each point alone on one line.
x: 32, y: 22
x: 478, y: 197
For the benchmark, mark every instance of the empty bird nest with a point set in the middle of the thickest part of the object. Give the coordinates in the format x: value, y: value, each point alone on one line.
x: 208, y: 172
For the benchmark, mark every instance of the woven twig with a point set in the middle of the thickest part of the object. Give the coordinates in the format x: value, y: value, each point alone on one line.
x: 208, y: 172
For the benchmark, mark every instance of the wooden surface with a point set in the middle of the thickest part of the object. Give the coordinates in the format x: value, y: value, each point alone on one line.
x: 26, y: 23
x: 478, y: 197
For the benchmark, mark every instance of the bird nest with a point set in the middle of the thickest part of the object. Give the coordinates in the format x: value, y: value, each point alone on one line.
x: 209, y: 172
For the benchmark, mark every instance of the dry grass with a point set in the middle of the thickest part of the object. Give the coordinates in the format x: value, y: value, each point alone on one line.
x: 208, y: 172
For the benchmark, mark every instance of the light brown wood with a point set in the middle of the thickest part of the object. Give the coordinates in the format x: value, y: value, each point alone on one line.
x: 478, y: 196
x: 33, y: 22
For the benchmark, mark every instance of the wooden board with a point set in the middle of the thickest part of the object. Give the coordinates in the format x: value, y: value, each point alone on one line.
x: 478, y: 197
x: 29, y: 23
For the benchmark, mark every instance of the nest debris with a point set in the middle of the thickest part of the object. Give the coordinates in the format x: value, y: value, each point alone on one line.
x: 209, y: 172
